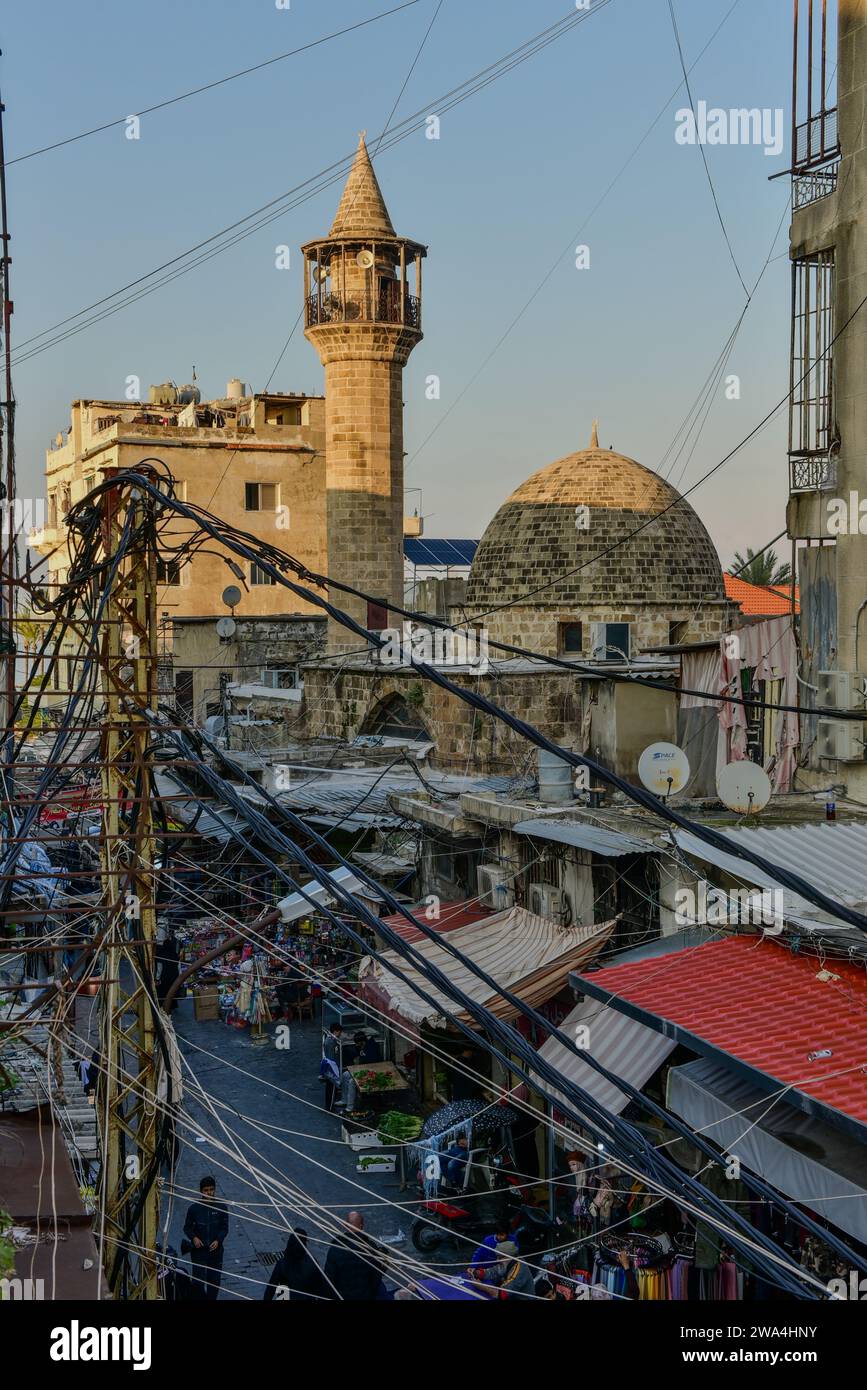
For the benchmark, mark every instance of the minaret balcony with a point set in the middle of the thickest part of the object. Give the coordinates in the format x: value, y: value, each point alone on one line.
x: 386, y: 307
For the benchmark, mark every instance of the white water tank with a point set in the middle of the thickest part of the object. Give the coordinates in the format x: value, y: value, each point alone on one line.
x: 189, y: 395
x: 234, y: 389
x: 555, y: 778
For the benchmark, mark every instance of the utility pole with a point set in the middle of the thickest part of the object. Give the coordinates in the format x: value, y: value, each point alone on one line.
x: 8, y: 535
x: 128, y: 1111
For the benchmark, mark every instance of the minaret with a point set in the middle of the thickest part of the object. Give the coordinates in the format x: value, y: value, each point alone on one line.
x: 364, y: 319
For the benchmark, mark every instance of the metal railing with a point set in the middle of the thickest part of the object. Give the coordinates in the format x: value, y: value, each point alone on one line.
x: 812, y: 473
x: 816, y: 140
x: 362, y: 308
x: 809, y: 188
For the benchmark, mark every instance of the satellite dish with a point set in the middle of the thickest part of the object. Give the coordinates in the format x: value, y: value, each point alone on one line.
x: 664, y: 768
x: 232, y: 596
x: 364, y: 259
x: 320, y: 272
x: 226, y: 626
x: 744, y: 787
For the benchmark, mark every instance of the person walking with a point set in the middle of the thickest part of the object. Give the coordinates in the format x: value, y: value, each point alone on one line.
x: 353, y: 1269
x: 168, y: 960
x: 206, y: 1228
x: 296, y: 1275
x: 329, y: 1067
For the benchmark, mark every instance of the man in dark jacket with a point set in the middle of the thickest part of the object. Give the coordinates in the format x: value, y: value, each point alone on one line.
x: 353, y: 1269
x: 206, y: 1228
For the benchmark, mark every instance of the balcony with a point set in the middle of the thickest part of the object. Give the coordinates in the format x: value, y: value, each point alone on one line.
x: 808, y: 188
x: 812, y: 473
x: 323, y: 307
x: 816, y: 141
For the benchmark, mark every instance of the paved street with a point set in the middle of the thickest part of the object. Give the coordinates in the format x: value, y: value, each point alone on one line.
x: 263, y: 1094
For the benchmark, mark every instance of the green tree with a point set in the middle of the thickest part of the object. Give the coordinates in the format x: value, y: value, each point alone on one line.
x: 763, y: 569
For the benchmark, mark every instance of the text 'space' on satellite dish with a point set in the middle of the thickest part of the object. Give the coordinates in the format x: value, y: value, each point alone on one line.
x: 664, y: 768
x: 744, y: 787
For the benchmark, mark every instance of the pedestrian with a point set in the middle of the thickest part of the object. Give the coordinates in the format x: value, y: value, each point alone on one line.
x: 89, y: 1072
x: 353, y: 1269
x: 367, y: 1049
x: 457, y: 1156
x: 513, y: 1278
x: 169, y: 967
x: 296, y: 1275
x: 485, y: 1254
x: 329, y: 1067
x: 206, y: 1228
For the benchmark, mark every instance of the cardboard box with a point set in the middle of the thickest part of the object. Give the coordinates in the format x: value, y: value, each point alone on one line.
x: 206, y: 1003
x: 376, y: 1163
x: 361, y: 1138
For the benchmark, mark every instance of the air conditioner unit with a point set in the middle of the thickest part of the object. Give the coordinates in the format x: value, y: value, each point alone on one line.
x: 842, y: 739
x: 494, y: 887
x: 547, y: 902
x: 841, y: 690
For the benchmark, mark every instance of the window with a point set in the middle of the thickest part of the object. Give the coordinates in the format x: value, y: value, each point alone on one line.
x: 260, y: 576
x: 168, y: 572
x: 88, y: 480
x: 287, y: 415
x: 280, y: 677
x: 677, y: 633
x: 396, y: 718
x: 611, y: 641
x: 811, y: 414
x: 569, y: 638
x: 260, y: 497
x: 377, y: 615
x: 52, y: 509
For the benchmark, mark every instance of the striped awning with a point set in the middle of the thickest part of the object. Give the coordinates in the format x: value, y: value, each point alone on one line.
x: 624, y: 1047
x: 531, y: 956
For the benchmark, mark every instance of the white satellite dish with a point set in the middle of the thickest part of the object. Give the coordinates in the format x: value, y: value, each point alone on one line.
x: 226, y: 627
x: 232, y: 596
x: 663, y: 768
x: 320, y: 272
x: 744, y: 787
x: 364, y: 259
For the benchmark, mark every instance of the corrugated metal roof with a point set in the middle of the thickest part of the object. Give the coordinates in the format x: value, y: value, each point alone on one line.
x: 451, y: 917
x: 420, y: 551
x: 751, y: 1003
x: 598, y: 839
x: 832, y: 855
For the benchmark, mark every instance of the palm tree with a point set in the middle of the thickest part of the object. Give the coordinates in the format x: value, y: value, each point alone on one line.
x: 31, y: 632
x: 763, y: 569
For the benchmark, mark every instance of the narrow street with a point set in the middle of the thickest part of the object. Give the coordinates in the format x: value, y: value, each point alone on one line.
x: 279, y: 1090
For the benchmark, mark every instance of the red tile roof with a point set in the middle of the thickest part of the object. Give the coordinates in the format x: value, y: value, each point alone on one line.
x: 764, y: 1008
x: 452, y: 915
x: 756, y: 601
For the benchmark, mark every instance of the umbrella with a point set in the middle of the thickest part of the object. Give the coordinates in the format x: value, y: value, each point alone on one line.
x: 487, y: 1119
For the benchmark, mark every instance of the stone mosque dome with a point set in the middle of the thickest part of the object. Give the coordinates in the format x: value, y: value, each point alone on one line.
x: 534, y: 537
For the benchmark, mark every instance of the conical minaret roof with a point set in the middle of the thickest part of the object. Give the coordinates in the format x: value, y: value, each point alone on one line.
x: 362, y: 211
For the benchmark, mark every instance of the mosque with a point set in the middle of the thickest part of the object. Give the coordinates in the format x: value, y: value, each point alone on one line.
x: 595, y: 558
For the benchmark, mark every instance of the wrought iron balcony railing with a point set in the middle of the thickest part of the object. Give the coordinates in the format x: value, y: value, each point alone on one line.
x: 324, y: 307
x: 809, y: 188
x: 812, y: 473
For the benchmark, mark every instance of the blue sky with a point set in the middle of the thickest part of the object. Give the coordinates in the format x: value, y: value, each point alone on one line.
x: 498, y: 199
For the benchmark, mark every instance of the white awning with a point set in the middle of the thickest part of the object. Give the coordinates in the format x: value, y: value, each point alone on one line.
x: 626, y: 1048
x: 808, y: 1161
x: 529, y: 955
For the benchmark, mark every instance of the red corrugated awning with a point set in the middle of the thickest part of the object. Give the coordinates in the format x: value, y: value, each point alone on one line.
x: 762, y: 1010
x: 451, y: 916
